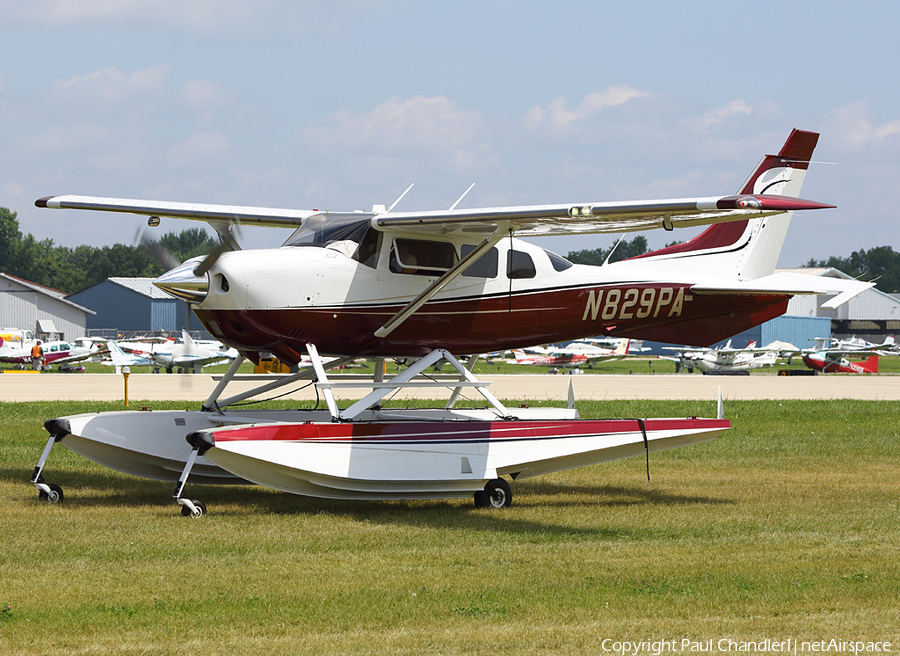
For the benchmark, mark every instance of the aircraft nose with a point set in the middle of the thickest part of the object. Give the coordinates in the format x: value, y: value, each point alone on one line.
x: 181, y: 282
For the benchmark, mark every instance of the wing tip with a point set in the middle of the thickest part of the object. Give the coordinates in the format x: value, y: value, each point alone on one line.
x: 42, y: 202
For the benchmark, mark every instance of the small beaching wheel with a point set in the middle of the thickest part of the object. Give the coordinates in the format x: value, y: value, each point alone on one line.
x: 499, y: 493
x: 54, y: 496
x: 199, y: 512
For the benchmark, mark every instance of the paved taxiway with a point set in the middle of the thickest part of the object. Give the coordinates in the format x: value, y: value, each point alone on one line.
x: 197, y: 387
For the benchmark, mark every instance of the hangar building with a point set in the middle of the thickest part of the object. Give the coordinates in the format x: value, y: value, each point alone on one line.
x: 133, y: 305
x: 45, y: 311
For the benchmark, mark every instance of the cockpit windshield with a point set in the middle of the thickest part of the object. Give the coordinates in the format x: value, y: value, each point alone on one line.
x: 324, y: 229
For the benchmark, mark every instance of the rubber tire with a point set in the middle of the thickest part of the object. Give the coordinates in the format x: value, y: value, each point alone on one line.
x: 499, y: 493
x: 186, y: 512
x: 57, y: 496
x: 482, y: 500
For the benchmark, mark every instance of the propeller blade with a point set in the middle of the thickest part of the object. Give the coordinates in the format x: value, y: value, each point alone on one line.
x: 162, y: 255
x: 211, y: 259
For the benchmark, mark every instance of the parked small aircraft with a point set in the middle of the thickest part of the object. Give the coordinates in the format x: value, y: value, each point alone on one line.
x: 188, y: 355
x: 635, y: 346
x: 55, y: 352
x: 571, y: 356
x: 858, y: 344
x: 835, y: 360
x: 430, y: 284
x: 726, y: 358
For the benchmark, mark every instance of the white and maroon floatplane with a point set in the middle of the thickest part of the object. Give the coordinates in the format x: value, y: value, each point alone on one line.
x: 427, y: 284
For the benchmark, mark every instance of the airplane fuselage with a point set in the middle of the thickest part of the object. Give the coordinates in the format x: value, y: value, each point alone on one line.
x: 277, y: 300
x: 827, y: 364
x: 53, y: 352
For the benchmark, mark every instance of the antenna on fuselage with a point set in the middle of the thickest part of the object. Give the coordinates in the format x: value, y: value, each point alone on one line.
x: 453, y: 207
x: 401, y: 196
x: 606, y: 261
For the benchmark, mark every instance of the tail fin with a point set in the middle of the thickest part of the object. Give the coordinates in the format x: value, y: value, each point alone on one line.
x: 748, y: 249
x: 870, y: 365
x: 116, y: 354
x: 822, y: 343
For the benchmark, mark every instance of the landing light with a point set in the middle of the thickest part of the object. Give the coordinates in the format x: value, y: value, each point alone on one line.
x: 575, y: 212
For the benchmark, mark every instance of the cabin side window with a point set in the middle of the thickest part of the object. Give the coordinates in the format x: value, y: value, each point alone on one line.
x: 519, y: 265
x: 558, y: 261
x: 369, y: 247
x: 422, y: 258
x: 485, y: 266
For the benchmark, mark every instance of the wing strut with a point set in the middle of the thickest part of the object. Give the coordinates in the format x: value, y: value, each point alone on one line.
x: 391, y: 324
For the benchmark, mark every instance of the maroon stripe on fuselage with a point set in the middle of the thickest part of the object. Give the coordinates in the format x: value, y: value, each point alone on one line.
x: 410, y: 433
x: 718, y: 236
x: 479, y: 325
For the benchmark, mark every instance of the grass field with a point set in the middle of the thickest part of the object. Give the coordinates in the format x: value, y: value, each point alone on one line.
x: 636, y: 365
x: 786, y: 527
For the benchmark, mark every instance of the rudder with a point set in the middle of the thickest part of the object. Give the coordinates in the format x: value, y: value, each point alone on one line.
x: 748, y: 249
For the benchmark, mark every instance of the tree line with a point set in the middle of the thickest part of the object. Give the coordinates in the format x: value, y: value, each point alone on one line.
x: 72, y: 269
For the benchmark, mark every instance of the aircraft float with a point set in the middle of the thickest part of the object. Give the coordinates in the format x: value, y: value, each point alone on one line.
x: 433, y: 285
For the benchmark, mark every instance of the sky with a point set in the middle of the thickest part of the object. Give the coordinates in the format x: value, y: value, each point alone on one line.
x: 344, y: 104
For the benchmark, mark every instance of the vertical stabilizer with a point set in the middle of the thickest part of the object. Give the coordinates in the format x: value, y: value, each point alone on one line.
x: 870, y: 365
x: 749, y: 249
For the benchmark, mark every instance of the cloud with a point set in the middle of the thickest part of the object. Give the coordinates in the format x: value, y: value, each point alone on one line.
x: 196, y: 15
x: 851, y: 126
x: 192, y: 16
x: 557, y: 115
x: 110, y: 85
x: 202, y: 96
x: 418, y: 124
x: 11, y: 190
x: 716, y: 117
x: 71, y: 139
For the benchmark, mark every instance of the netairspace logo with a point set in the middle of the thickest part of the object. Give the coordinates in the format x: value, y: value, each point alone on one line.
x: 727, y: 645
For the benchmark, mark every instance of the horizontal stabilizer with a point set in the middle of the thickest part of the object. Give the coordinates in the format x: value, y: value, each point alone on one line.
x: 790, y: 284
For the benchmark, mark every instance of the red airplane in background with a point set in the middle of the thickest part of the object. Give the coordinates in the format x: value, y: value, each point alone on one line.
x: 831, y: 362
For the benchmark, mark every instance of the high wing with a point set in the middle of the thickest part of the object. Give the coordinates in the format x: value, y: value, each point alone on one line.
x: 263, y: 216
x: 525, y: 220
x: 577, y: 218
x: 17, y: 356
x: 165, y: 359
x: 837, y: 354
x: 78, y: 356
